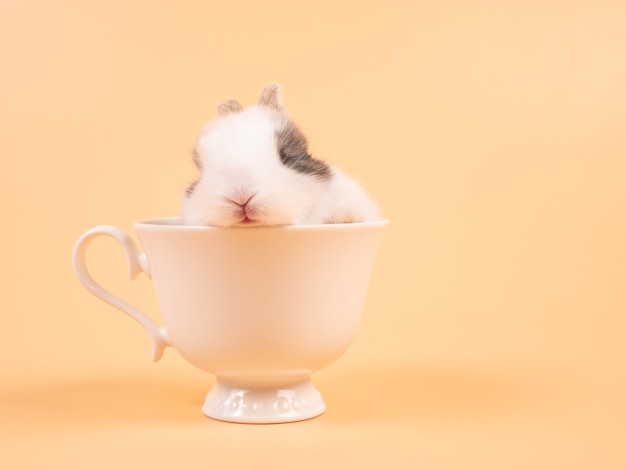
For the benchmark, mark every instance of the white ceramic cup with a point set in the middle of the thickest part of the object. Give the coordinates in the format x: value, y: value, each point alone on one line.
x: 259, y: 307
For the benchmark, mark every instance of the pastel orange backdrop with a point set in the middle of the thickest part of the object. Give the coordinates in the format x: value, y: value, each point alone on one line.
x: 491, y: 133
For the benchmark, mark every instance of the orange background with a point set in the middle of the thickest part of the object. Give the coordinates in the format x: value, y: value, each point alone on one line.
x: 493, y: 136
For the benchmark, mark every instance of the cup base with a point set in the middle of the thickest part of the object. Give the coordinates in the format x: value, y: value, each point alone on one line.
x: 263, y: 404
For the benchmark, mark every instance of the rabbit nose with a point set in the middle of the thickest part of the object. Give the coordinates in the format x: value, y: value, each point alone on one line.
x: 241, y: 198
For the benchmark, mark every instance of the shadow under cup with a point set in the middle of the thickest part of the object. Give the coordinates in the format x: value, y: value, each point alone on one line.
x: 259, y: 307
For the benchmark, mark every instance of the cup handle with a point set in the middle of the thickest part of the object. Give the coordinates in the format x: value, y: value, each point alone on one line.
x: 137, y: 263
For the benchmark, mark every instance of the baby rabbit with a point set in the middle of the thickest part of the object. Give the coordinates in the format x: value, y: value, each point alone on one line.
x: 256, y: 170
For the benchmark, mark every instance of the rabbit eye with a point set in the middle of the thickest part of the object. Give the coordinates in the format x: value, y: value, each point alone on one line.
x: 191, y: 187
x: 293, y: 152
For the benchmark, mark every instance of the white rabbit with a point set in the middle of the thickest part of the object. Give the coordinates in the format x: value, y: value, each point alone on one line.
x: 256, y: 170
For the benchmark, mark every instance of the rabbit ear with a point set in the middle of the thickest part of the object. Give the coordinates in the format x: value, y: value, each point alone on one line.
x: 271, y: 97
x: 228, y: 107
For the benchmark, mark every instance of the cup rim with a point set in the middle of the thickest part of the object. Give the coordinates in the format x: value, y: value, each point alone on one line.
x: 175, y: 223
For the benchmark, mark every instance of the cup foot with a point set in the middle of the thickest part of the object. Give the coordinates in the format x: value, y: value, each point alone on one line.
x: 262, y: 404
